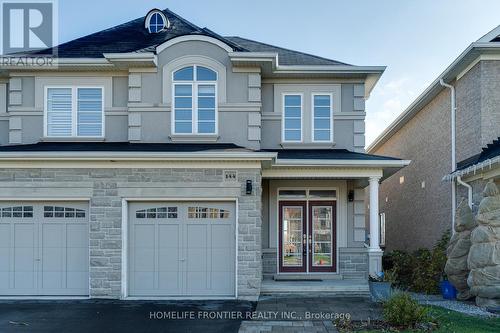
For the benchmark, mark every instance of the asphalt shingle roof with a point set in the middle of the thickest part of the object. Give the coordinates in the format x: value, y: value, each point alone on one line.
x: 488, y: 152
x: 132, y: 36
x: 327, y: 154
x: 119, y: 147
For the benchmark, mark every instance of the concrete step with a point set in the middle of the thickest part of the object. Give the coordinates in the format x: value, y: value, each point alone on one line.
x: 354, y: 288
x: 305, y: 277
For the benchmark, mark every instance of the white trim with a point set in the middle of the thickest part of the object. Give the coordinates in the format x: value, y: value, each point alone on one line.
x: 42, y: 298
x: 38, y: 199
x: 313, y: 118
x: 124, y: 252
x: 317, y: 173
x: 283, y: 95
x: 194, y: 100
x: 337, y: 201
x: 74, y: 112
x: 147, y: 21
x: 189, y: 38
x: 367, y: 163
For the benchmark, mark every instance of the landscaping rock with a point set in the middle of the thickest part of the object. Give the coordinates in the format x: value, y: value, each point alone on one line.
x: 458, y: 251
x: 484, y: 255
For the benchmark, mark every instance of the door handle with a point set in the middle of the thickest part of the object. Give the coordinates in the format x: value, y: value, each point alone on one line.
x: 310, y: 243
x: 304, y: 244
x: 183, y: 259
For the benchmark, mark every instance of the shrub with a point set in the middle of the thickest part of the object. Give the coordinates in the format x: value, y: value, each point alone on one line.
x: 420, y: 271
x: 402, y: 310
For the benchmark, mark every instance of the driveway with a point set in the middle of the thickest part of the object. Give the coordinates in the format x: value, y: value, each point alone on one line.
x: 122, y: 316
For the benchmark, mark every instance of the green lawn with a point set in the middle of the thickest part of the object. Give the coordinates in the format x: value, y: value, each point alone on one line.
x: 455, y: 322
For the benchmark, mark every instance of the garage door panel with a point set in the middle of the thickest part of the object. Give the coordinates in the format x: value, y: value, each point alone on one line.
x: 196, y: 236
x: 77, y: 259
x: 77, y: 280
x: 144, y: 259
x: 222, y: 260
x: 38, y: 256
x: 52, y: 259
x: 168, y: 236
x: 196, y: 283
x: 196, y: 259
x: 169, y: 282
x: 222, y: 236
x: 53, y: 235
x: 24, y: 235
x: 168, y: 260
x: 222, y: 283
x: 77, y: 236
x: 144, y: 280
x: 188, y: 250
x: 144, y: 236
x: 4, y: 235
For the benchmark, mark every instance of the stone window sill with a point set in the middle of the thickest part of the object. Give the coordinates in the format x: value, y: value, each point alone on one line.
x: 71, y: 139
x: 307, y: 145
x: 194, y: 138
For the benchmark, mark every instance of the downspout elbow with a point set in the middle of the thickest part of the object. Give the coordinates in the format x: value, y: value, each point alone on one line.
x: 469, y: 190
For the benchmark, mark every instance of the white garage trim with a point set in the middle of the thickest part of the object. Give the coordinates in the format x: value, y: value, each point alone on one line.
x: 125, y: 252
x: 50, y: 199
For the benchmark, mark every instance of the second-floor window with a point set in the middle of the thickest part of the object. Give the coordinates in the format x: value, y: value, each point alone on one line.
x: 292, y: 118
x: 74, y: 112
x: 194, y: 101
x: 322, y: 117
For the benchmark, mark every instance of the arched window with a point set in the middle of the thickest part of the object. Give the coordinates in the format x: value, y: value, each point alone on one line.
x: 194, y: 100
x: 156, y: 21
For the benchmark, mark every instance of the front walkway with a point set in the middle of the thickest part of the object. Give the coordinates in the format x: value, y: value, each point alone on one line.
x: 308, y: 314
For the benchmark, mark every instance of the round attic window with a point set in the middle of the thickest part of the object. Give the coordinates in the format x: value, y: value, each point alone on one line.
x: 156, y: 21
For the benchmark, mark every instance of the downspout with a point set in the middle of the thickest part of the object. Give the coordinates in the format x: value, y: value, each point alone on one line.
x: 469, y: 190
x: 453, y: 150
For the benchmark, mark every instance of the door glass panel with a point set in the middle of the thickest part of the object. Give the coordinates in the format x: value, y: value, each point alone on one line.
x: 292, y: 236
x: 322, y: 235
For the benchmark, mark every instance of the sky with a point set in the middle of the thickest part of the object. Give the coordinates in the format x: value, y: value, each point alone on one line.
x: 415, y: 39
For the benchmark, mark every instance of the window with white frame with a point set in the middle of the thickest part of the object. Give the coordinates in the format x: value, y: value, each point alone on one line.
x: 74, y: 112
x: 194, y: 101
x: 292, y: 118
x: 322, y: 117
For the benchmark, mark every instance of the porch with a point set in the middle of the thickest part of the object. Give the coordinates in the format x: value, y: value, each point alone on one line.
x: 315, y: 234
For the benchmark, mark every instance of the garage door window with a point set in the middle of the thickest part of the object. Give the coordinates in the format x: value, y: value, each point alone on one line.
x: 62, y: 212
x: 157, y: 213
x: 207, y: 213
x: 17, y: 211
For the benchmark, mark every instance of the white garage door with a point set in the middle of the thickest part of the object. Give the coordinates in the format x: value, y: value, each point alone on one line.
x: 44, y: 249
x: 182, y: 249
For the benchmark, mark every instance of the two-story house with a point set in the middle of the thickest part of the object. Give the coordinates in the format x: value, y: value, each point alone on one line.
x: 160, y: 159
x: 451, y: 134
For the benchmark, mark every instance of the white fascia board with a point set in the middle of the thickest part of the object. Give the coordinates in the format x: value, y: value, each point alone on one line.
x: 475, y: 169
x: 342, y: 163
x: 344, y: 69
x: 448, y: 75
x: 130, y: 56
x: 133, y: 156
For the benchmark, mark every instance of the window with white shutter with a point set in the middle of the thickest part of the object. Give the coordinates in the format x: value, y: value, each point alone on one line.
x: 74, y: 112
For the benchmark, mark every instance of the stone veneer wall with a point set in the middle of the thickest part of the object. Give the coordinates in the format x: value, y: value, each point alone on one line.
x: 353, y: 263
x: 107, y: 187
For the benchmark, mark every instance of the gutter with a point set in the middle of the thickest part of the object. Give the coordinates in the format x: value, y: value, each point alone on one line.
x: 469, y: 190
x: 453, y: 109
x: 131, y: 156
x: 343, y: 163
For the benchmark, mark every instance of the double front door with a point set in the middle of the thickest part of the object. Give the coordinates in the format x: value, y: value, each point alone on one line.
x: 307, y: 236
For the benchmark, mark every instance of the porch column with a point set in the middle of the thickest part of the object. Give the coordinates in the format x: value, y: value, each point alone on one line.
x: 374, y: 251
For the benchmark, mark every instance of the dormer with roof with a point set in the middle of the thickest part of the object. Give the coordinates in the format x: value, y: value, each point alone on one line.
x: 190, y: 164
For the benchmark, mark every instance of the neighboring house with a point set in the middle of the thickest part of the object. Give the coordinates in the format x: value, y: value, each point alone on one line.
x: 160, y: 159
x: 417, y: 202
